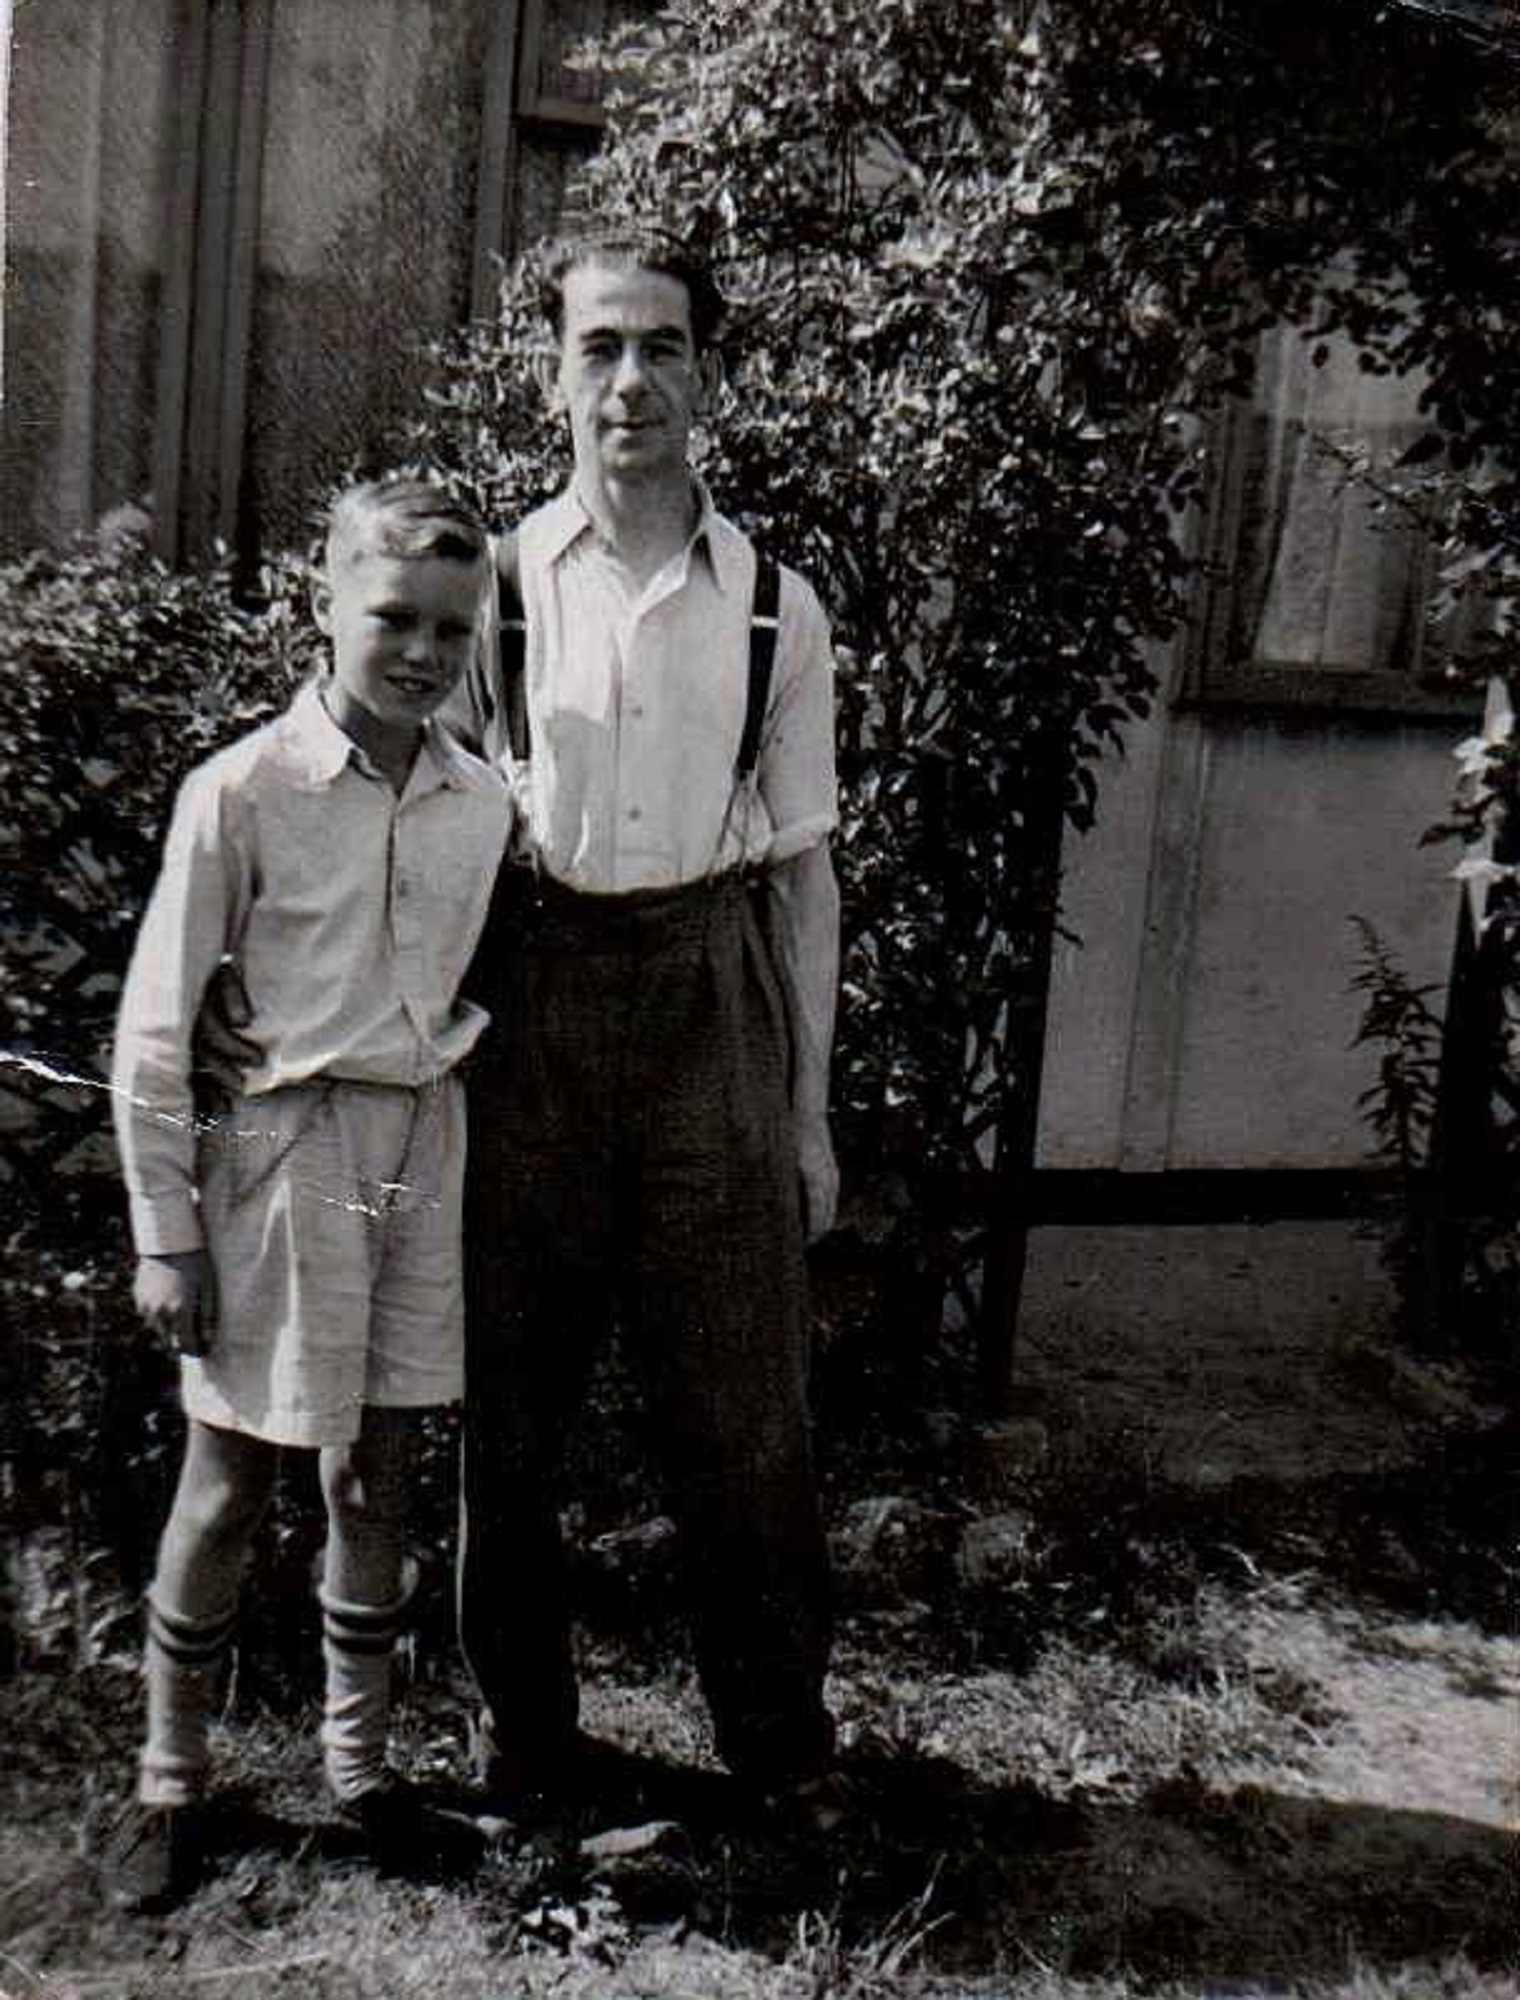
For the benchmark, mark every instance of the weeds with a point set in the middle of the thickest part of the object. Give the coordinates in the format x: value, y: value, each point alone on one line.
x: 834, y: 1967
x: 1398, y: 1020
x: 1444, y: 1111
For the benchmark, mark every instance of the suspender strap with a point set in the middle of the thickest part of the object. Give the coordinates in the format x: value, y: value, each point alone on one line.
x: 514, y: 661
x: 764, y: 621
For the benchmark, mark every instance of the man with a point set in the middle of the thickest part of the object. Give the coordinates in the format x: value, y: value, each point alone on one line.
x: 649, y: 1137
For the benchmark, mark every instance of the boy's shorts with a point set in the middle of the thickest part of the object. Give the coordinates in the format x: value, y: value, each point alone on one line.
x: 331, y: 1213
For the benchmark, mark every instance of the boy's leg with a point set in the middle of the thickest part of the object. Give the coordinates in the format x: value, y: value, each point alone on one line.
x: 364, y: 1594
x: 224, y: 1487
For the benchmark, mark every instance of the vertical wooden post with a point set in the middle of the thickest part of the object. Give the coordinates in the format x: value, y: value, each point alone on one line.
x: 199, y: 491
x: 1472, y: 1164
x: 496, y: 194
x: 1012, y: 1181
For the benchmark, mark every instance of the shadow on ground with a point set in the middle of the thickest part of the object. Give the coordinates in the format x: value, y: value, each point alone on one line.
x: 1184, y: 1883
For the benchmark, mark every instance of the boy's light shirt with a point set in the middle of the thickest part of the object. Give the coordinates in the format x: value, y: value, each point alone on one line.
x: 635, y: 725
x: 352, y: 914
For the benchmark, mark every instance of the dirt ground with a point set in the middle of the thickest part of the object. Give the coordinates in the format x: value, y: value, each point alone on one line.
x: 1247, y: 1350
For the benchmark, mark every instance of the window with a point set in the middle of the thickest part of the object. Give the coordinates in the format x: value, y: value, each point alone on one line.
x: 541, y: 118
x: 1320, y: 576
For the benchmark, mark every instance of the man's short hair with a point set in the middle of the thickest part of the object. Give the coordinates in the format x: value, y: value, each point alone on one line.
x: 635, y: 247
x: 403, y: 516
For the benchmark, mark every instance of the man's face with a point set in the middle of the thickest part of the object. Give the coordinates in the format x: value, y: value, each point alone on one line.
x: 401, y: 629
x: 630, y: 378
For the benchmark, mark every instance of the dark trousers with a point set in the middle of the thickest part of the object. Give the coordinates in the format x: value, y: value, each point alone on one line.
x: 632, y: 1158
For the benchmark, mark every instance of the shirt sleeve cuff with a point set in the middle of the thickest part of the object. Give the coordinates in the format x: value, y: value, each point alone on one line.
x: 166, y: 1225
x: 788, y: 842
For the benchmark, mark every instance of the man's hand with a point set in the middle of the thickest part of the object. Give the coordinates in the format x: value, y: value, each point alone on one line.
x: 801, y: 918
x: 167, y: 1294
x: 820, y: 1178
x: 220, y: 1052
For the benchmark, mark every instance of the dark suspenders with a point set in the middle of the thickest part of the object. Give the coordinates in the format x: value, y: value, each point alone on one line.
x: 764, y: 622
x: 513, y: 649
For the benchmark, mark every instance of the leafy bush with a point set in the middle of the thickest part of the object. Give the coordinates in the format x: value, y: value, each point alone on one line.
x: 116, y: 675
x: 1444, y: 1112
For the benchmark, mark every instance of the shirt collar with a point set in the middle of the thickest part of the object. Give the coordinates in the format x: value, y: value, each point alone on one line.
x: 567, y: 518
x: 320, y: 745
x: 325, y: 751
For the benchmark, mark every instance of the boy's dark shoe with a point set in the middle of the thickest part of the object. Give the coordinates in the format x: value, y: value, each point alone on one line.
x: 156, y: 1858
x: 409, y: 1834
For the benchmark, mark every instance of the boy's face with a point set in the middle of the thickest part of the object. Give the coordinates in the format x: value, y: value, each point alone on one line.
x: 401, y: 629
x: 629, y: 376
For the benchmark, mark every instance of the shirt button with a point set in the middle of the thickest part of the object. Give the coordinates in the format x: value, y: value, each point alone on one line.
x: 635, y: 812
x: 638, y: 711
x: 403, y: 886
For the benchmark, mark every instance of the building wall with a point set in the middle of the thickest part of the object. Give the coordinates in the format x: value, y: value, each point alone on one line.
x: 1301, y: 748
x: 1206, y: 1018
x: 235, y: 226
x: 366, y: 222
x: 91, y: 96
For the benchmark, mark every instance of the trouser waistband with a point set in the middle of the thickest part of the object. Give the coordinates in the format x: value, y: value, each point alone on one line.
x: 632, y: 920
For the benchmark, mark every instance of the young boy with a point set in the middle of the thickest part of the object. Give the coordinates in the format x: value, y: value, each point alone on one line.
x: 304, y: 1249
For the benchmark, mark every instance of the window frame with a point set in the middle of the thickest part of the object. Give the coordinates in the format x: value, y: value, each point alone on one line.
x: 1218, y: 678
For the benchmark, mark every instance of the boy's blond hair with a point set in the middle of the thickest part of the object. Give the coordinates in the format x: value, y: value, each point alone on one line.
x: 403, y: 516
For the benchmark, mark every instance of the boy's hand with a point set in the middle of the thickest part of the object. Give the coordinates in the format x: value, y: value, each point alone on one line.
x: 220, y: 1051
x: 167, y: 1294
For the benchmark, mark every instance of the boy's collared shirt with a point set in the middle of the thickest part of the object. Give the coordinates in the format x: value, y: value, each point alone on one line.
x: 636, y: 701
x: 351, y: 911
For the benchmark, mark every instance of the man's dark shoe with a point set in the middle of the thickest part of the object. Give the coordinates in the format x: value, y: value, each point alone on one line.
x: 545, y: 1825
x: 407, y: 1833
x: 812, y: 1809
x: 156, y: 1858
x: 534, y: 1832
x: 512, y: 1802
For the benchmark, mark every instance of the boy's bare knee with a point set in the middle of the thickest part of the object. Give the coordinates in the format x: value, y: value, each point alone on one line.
x: 366, y: 1479
x: 222, y: 1494
x: 356, y: 1489
x: 344, y: 1487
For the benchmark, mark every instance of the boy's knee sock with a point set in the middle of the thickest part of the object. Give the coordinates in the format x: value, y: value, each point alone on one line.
x: 358, y: 1641
x: 183, y: 1663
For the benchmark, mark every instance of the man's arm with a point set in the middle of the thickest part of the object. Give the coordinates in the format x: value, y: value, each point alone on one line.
x: 804, y: 932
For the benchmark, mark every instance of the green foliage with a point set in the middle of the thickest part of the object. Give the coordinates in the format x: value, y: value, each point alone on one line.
x: 116, y: 675
x: 1397, y: 1020
x: 1444, y: 1110
x: 992, y: 269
